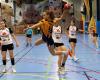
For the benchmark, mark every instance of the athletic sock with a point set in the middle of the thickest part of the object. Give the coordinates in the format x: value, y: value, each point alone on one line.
x: 4, y: 62
x: 12, y: 61
x: 63, y: 64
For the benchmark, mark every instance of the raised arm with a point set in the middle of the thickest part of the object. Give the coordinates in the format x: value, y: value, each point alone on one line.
x: 61, y: 17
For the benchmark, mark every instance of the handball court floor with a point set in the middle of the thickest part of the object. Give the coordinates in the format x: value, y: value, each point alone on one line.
x: 36, y: 63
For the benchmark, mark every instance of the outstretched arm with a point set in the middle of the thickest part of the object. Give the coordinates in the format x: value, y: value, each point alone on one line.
x: 36, y: 25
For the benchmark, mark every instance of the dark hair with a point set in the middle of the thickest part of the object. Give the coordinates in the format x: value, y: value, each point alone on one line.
x: 4, y: 20
x: 51, y: 14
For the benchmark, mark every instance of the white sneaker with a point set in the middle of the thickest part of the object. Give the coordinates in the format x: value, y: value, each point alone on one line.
x: 4, y: 69
x: 61, y: 70
x: 13, y: 69
x: 75, y: 59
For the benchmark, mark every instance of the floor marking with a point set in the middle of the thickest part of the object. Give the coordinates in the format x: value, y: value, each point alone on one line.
x: 86, y: 75
x: 20, y: 58
x: 33, y: 75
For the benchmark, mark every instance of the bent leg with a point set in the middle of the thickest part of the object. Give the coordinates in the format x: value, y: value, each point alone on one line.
x: 39, y: 42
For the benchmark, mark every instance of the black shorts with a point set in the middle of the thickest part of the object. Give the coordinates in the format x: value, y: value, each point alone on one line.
x: 48, y: 40
x: 29, y: 35
x: 74, y: 40
x: 7, y: 47
x: 58, y: 44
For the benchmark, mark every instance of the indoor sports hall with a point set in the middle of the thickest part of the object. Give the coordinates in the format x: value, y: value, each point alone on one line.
x: 26, y: 51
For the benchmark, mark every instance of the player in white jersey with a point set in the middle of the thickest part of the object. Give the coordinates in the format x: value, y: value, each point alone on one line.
x: 72, y: 32
x: 59, y: 46
x: 6, y: 43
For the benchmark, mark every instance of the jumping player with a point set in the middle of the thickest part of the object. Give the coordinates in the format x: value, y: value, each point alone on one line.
x: 46, y: 26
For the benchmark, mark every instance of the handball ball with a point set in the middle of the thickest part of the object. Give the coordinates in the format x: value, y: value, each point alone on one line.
x: 67, y: 6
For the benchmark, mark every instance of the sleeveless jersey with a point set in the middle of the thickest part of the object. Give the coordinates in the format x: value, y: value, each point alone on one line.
x: 5, y: 36
x: 29, y: 31
x: 46, y: 27
x: 72, y: 31
x: 57, y: 34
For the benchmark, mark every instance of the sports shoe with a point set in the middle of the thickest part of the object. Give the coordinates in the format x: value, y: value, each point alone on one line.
x: 4, y: 69
x: 61, y: 70
x: 13, y: 69
x: 75, y: 59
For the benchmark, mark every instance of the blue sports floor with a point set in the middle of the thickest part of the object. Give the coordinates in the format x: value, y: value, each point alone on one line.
x: 36, y: 63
